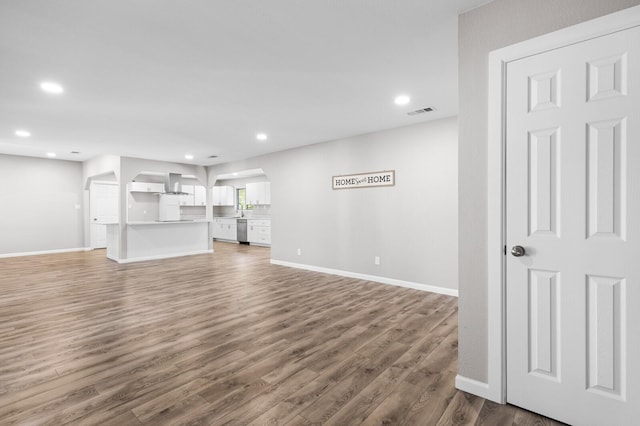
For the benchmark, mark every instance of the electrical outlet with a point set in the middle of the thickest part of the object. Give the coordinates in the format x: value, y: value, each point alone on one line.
x: 376, y: 260
x: 299, y: 252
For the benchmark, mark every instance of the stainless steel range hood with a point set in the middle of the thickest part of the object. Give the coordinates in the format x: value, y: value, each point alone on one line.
x: 173, y: 183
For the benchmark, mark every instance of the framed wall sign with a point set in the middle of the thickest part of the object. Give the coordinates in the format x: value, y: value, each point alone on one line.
x: 364, y: 180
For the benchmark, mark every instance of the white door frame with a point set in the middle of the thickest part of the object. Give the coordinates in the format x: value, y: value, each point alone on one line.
x: 495, y: 388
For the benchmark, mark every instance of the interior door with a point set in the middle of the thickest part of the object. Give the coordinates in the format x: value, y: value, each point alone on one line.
x: 573, y: 205
x: 103, y: 207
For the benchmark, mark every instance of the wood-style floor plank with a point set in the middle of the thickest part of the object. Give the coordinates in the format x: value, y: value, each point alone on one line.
x: 225, y: 339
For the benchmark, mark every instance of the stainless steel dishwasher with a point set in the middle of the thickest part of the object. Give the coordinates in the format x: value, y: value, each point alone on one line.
x: 242, y: 231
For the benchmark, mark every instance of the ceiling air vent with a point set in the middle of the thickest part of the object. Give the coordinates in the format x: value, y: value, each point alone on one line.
x: 421, y: 111
x: 213, y: 156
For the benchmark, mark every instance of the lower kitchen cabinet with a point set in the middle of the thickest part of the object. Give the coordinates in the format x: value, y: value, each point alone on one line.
x: 259, y: 231
x: 225, y: 229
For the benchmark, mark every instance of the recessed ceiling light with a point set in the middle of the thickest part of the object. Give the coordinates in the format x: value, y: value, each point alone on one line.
x: 22, y: 133
x: 261, y: 136
x: 188, y: 156
x: 51, y: 154
x: 402, y: 100
x: 51, y: 87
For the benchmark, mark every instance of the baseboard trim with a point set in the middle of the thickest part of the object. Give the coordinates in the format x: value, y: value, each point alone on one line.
x: 478, y: 388
x: 37, y: 253
x: 160, y: 256
x: 374, y: 278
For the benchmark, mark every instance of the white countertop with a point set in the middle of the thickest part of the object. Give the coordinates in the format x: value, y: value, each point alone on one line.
x: 247, y: 218
x: 180, y: 222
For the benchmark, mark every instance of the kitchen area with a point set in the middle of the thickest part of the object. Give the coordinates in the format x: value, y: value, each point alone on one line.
x: 241, y: 204
x: 172, y: 214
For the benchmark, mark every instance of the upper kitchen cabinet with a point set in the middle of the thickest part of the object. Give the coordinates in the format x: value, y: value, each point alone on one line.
x: 146, y: 187
x: 223, y: 195
x: 194, y: 195
x: 187, y: 198
x: 199, y: 195
x: 259, y: 193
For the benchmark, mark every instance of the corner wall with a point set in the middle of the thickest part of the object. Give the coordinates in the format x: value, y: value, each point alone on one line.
x: 40, y: 205
x: 411, y: 226
x: 490, y: 27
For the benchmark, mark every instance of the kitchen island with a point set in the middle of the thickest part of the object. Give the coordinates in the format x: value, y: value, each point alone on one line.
x: 149, y: 240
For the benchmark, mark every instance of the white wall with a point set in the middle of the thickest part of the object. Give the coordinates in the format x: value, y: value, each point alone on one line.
x: 411, y: 226
x: 38, y: 204
x: 102, y: 167
x: 495, y: 25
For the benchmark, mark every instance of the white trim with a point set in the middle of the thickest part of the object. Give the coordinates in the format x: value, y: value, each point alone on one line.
x: 37, y: 253
x: 498, y: 59
x: 475, y: 387
x: 383, y: 280
x: 105, y: 182
x: 160, y: 256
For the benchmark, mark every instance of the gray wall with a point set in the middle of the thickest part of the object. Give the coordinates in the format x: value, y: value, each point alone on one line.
x: 411, y: 226
x: 495, y: 25
x: 38, y: 204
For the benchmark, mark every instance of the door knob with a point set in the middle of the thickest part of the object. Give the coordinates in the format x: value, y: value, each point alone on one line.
x: 517, y: 251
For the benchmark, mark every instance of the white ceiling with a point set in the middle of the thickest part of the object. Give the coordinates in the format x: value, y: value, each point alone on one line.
x: 162, y: 78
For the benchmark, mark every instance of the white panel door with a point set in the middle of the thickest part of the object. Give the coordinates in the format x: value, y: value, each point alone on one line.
x: 573, y: 204
x: 103, y: 209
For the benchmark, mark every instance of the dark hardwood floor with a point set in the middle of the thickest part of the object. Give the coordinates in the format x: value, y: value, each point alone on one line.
x: 225, y: 339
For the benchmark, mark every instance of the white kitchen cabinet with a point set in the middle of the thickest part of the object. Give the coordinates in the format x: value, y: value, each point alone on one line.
x: 223, y: 195
x: 146, y: 187
x: 225, y: 229
x: 258, y: 193
x: 259, y: 231
x: 188, y: 198
x: 199, y: 195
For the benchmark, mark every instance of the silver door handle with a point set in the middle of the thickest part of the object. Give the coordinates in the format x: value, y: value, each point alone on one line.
x: 517, y: 251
